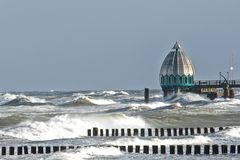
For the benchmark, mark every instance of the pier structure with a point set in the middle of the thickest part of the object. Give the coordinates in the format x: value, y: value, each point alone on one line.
x: 177, y: 75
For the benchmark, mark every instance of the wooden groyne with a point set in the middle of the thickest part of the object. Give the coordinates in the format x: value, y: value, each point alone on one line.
x: 153, y: 132
x: 206, y: 149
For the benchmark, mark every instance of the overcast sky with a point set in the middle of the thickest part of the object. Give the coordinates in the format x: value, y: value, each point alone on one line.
x: 112, y: 44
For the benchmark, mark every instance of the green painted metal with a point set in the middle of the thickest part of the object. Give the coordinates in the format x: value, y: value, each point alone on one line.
x: 176, y: 81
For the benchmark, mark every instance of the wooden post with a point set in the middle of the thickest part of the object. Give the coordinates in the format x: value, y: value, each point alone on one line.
x: 33, y: 150
x: 169, y: 132
x: 55, y: 148
x: 206, y: 149
x: 186, y: 131
x: 205, y: 130
x: 212, y: 130
x: 163, y: 149
x: 48, y: 150
x: 89, y: 132
x: 224, y: 149
x: 149, y: 132
x: 122, y: 132
x: 198, y: 130
x: 113, y: 132
x: 63, y: 148
x: 155, y: 149
x: 162, y: 132
x: 231, y: 94
x: 107, y: 132
x: 4, y: 150
x: 215, y: 149
x: 146, y: 95
x: 137, y: 149
x: 123, y: 148
x: 180, y: 131
x: 233, y: 149
x: 95, y: 131
x: 172, y: 149
x: 129, y: 132
x: 197, y: 149
x: 174, y: 131
x: 146, y: 149
x: 25, y: 149
x: 116, y: 133
x: 156, y: 132
x: 130, y: 149
x: 101, y: 132
x: 180, y: 149
x: 71, y: 147
x: 192, y: 131
x: 142, y: 132
x: 11, y: 150
x: 188, y: 149
x: 135, y: 132
x: 19, y: 150
x: 40, y: 149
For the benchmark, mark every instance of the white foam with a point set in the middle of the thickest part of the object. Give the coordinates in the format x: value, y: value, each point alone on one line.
x: 233, y: 132
x: 149, y: 105
x: 115, y: 93
x: 188, y: 97
x: 157, y: 141
x: 89, y: 152
x: 9, y: 97
x: 100, y: 101
x: 69, y: 126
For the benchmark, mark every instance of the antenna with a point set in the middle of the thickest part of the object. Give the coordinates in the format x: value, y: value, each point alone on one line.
x: 231, y: 68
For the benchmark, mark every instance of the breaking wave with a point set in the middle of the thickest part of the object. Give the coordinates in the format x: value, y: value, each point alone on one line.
x: 86, y: 153
x: 157, y: 141
x: 17, y: 100
x: 70, y: 126
x: 115, y: 93
x: 232, y: 132
x: 85, y: 100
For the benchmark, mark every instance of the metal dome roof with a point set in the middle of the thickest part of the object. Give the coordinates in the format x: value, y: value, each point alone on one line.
x: 177, y: 63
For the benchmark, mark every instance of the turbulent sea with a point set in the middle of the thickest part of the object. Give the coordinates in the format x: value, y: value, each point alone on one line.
x: 62, y: 118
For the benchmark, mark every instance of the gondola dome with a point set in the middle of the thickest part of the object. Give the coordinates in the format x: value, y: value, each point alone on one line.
x: 177, y: 63
x: 177, y: 69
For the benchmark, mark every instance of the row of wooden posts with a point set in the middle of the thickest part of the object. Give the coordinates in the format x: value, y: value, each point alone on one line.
x: 146, y: 149
x: 158, y: 132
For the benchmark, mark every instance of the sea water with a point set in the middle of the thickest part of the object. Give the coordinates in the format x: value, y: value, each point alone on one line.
x: 62, y: 118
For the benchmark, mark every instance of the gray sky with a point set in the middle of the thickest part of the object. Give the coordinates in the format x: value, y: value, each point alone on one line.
x: 110, y: 44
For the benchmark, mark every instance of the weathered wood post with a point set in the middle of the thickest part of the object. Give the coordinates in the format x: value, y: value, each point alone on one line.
x: 40, y: 149
x: 232, y: 149
x: 215, y: 149
x: 142, y: 132
x: 146, y: 95
x: 155, y: 149
x: 180, y: 149
x: 19, y: 150
x: 206, y: 149
x: 25, y: 149
x: 4, y: 150
x: 197, y: 149
x: 95, y: 131
x: 188, y: 149
x: 130, y: 149
x: 146, y: 149
x: 48, y: 150
x: 11, y: 150
x: 172, y: 149
x: 163, y: 149
x: 137, y: 149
